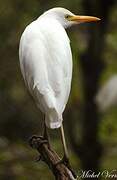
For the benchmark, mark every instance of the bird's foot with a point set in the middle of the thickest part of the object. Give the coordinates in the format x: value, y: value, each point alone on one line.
x: 66, y: 162
x: 38, y: 158
x: 37, y: 141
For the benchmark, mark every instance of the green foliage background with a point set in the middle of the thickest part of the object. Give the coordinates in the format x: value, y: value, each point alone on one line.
x: 19, y: 117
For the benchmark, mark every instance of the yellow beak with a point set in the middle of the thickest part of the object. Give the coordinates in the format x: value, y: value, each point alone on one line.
x: 82, y: 19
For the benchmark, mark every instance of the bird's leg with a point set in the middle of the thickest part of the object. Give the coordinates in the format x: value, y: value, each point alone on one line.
x: 40, y: 140
x: 65, y: 157
x: 45, y: 134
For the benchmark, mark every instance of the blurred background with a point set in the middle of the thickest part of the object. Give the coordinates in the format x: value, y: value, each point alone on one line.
x: 90, y: 119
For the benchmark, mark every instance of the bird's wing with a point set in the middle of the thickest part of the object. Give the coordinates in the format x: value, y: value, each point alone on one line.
x: 59, y: 62
x: 33, y: 66
x: 46, y: 65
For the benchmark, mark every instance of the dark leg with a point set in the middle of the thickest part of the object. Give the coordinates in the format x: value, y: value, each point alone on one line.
x: 45, y: 134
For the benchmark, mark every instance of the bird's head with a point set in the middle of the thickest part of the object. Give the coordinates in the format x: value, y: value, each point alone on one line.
x: 67, y: 18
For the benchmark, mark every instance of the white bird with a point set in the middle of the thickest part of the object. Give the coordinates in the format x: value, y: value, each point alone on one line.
x: 46, y: 63
x: 107, y: 94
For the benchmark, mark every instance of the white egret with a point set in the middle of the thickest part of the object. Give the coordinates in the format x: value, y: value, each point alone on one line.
x: 46, y: 63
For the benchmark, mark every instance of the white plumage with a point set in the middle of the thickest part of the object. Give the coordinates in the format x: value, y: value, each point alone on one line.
x: 46, y: 65
x: 46, y: 61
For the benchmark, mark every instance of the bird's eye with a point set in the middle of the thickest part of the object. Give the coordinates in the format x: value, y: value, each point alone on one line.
x: 67, y: 16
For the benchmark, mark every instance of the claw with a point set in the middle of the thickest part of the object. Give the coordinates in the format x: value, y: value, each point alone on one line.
x: 37, y: 159
x: 66, y: 162
x: 36, y: 141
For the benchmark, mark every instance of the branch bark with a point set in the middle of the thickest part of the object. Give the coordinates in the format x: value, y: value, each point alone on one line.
x: 60, y: 170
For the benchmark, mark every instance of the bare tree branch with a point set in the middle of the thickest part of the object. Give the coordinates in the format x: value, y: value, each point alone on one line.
x: 60, y: 169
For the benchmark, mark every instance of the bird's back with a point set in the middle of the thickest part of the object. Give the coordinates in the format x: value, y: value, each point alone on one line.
x: 46, y: 64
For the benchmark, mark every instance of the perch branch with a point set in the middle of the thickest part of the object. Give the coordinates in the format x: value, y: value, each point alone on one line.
x: 60, y: 169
